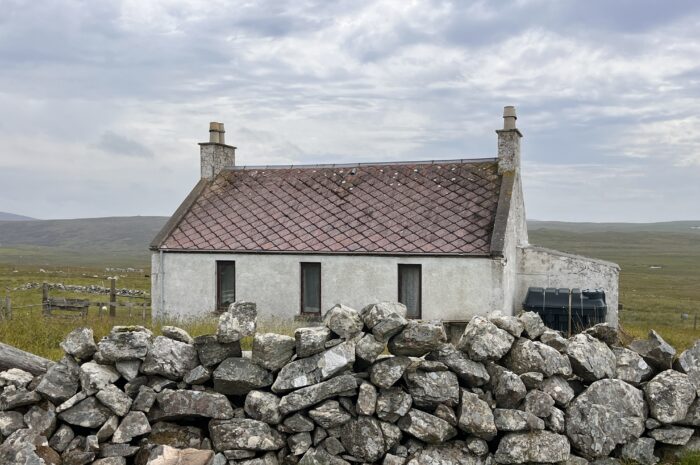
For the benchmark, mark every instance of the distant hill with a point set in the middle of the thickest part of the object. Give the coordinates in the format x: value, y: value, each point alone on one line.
x: 4, y: 216
x: 668, y: 226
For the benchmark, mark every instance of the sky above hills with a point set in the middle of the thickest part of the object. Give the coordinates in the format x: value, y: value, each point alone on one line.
x: 102, y: 103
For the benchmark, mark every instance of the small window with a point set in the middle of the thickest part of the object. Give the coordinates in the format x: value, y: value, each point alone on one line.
x: 225, y: 285
x: 311, y: 288
x: 410, y: 289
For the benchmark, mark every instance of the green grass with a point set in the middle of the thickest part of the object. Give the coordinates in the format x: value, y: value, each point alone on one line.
x: 692, y: 458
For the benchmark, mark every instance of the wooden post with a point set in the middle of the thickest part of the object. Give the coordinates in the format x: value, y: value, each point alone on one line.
x: 569, y: 312
x: 143, y: 311
x: 45, y: 299
x: 8, y: 305
x: 113, y: 298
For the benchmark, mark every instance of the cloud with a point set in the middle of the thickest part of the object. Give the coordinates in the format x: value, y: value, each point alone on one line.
x: 116, y: 144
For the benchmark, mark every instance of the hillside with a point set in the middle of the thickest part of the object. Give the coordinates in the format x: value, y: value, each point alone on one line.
x: 4, y: 216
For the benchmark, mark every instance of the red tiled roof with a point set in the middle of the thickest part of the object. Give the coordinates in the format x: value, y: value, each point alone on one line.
x: 403, y: 208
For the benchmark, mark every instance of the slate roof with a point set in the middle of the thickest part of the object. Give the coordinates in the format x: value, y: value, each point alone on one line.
x: 441, y: 207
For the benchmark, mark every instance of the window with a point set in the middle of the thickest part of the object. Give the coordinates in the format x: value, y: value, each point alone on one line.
x: 410, y: 289
x: 311, y: 288
x: 225, y: 285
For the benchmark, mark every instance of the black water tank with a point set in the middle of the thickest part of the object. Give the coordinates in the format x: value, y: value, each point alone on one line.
x: 588, y: 307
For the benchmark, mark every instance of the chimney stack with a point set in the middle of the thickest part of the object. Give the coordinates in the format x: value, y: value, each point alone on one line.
x: 215, y: 155
x: 508, y: 143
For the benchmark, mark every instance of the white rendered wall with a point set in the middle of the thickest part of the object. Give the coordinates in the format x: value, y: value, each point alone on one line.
x: 454, y: 288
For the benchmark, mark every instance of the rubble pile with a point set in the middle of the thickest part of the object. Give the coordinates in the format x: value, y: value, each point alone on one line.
x: 367, y: 386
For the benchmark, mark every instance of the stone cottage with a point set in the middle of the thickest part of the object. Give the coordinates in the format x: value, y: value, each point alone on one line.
x: 447, y: 238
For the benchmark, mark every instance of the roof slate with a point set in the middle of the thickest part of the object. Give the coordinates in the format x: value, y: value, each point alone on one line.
x: 402, y: 208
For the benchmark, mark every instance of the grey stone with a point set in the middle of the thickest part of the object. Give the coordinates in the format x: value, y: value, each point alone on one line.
x: 538, y: 403
x: 329, y: 414
x: 473, y: 373
x: 590, y: 358
x: 532, y: 379
x: 41, y: 419
x: 536, y: 446
x: 366, y: 399
x: 608, y: 413
x: 507, y: 387
x: 241, y: 433
x: 61, y: 381
x: 61, y: 438
x: 640, y: 451
x: 604, y: 332
x: 450, y: 453
x: 384, y: 319
x: 177, y: 404
x: 110, y: 461
x: 144, y: 400
x: 483, y: 340
x: 81, y: 395
x: 508, y: 323
x: 299, y: 443
x: 385, y: 372
x: 94, y: 376
x: 689, y: 363
x: 692, y: 418
x: 166, y: 455
x: 477, y: 446
x: 88, y: 413
x: 319, y: 456
x: 426, y: 427
x: 132, y: 425
x: 392, y: 404
x: 333, y: 446
x: 211, y: 352
x: 631, y: 367
x: 297, y: 374
x: 174, y: 435
x: 247, y: 315
x: 392, y: 434
x: 446, y: 413
x: 527, y: 355
x: 311, y: 341
x: 272, y: 351
x: 652, y: 423
x: 554, y: 340
x: 336, y: 359
x: 669, y: 395
x: 125, y: 343
x: 655, y: 351
x: 78, y: 457
x: 431, y: 388
x: 197, y: 375
x: 510, y: 420
x: 238, y: 376
x: 368, y: 348
x: 418, y: 338
x: 15, y: 377
x: 476, y: 417
x: 117, y: 450
x: 10, y: 422
x: 178, y: 334
x: 559, y: 390
x: 129, y: 369
x: 80, y: 343
x: 311, y: 395
x: 556, y: 421
x: 114, y: 398
x: 228, y: 330
x: 170, y: 358
x: 674, y: 435
x: 263, y: 406
x: 299, y: 423
x: 107, y: 430
x: 533, y: 326
x: 11, y: 398
x: 343, y: 321
x: 364, y: 439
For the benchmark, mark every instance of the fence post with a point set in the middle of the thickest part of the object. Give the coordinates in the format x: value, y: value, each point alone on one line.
x: 8, y: 306
x: 45, y: 299
x: 113, y: 298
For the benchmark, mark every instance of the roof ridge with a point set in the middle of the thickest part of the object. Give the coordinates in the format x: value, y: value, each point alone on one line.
x: 354, y: 165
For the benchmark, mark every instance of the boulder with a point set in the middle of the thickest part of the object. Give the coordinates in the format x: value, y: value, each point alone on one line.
x: 311, y: 395
x: 263, y: 406
x: 94, y: 377
x: 387, y: 371
x: 510, y: 420
x: 509, y: 323
x: 476, y: 417
x: 507, y: 387
x: 41, y: 419
x: 246, y: 317
x: 527, y: 355
x: 80, y: 343
x: 426, y: 427
x: 559, y: 390
x: 482, y: 340
x: 228, y: 329
x: 299, y: 443
x: 368, y: 348
x: 689, y: 363
x: 11, y: 398
x: 473, y: 373
x: 655, y: 351
x: 186, y: 404
x: 384, y: 319
x: 392, y: 404
x: 115, y: 399
x: 10, y: 422
x: 536, y: 446
x: 533, y: 326
x: 538, y: 403
x: 329, y: 414
x: 631, y: 367
x: 243, y: 433
x: 604, y: 332
x: 669, y: 395
x: 61, y: 381
x: 343, y: 321
x: 673, y: 435
x: 129, y: 369
x: 15, y: 377
x: 297, y: 374
x: 554, y: 340
x: 336, y: 360
x: 590, y: 358
x: 272, y: 351
x: 197, y: 375
x: 170, y: 358
x: 178, y: 334
x: 134, y: 424
x: 239, y: 376
x: 640, y: 451
x: 212, y: 352
x: 88, y: 413
x: 363, y: 439
x: 418, y: 338
x: 366, y: 399
x: 125, y: 343
x: 432, y: 388
x: 311, y: 341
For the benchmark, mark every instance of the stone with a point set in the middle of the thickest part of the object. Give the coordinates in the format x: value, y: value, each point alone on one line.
x: 538, y: 403
x: 166, y: 455
x: 451, y: 453
x: 181, y: 403
x: 689, y: 363
x: 61, y: 438
x: 144, y: 400
x: 88, y: 413
x: 94, y: 376
x: 107, y: 430
x: 631, y: 367
x: 174, y: 435
x: 336, y: 360
x: 117, y: 450
x: 329, y: 414
x: 507, y: 323
x: 243, y: 433
x: 692, y: 418
x: 41, y: 419
x: 297, y: 374
x: 385, y: 372
x: 554, y: 340
x: 11, y: 398
x: 476, y: 417
x: 640, y: 451
x: 482, y: 340
x: 532, y: 379
x: 311, y: 341
x: 366, y: 399
x: 15, y: 377
x: 263, y: 406
x: 559, y: 390
x: 228, y: 330
x: 10, y: 422
x: 170, y: 358
x: 197, y: 375
x: 556, y: 421
x: 535, y: 446
x: 674, y: 435
x: 392, y: 404
x: 418, y: 338
x: 110, y: 461
x: 211, y: 352
x: 392, y: 434
x: 246, y: 314
x: 311, y: 395
x: 272, y: 351
x: 669, y: 395
x: 78, y: 457
x: 477, y: 446
x: 604, y: 332
x: 299, y: 423
x: 114, y: 398
x: 299, y: 443
x: 368, y: 348
x: 446, y: 413
x: 61, y: 381
x: 80, y: 343
x: 426, y: 427
x: 319, y: 456
x: 129, y: 369
x: 656, y: 352
x: 363, y: 439
x: 132, y: 425
x: 608, y: 413
x: 473, y: 373
x: 533, y: 326
x: 527, y: 355
x: 125, y: 343
x: 590, y: 358
x: 238, y: 376
x: 384, y: 319
x: 343, y: 321
x: 510, y: 420
x: 177, y: 334
x: 507, y: 387
x: 431, y: 388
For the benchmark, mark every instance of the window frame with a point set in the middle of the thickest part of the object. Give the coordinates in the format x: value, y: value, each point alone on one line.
x: 302, y: 282
x: 220, y: 265
x: 419, y: 266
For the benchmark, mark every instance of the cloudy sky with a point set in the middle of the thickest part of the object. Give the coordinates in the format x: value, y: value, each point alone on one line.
x: 102, y: 103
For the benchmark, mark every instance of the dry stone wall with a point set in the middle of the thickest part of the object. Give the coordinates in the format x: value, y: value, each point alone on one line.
x: 367, y: 386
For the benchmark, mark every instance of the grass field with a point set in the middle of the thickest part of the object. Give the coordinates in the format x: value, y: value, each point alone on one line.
x: 660, y: 281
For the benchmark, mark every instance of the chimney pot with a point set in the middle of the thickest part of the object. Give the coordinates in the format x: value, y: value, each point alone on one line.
x: 509, y: 117
x: 214, y: 135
